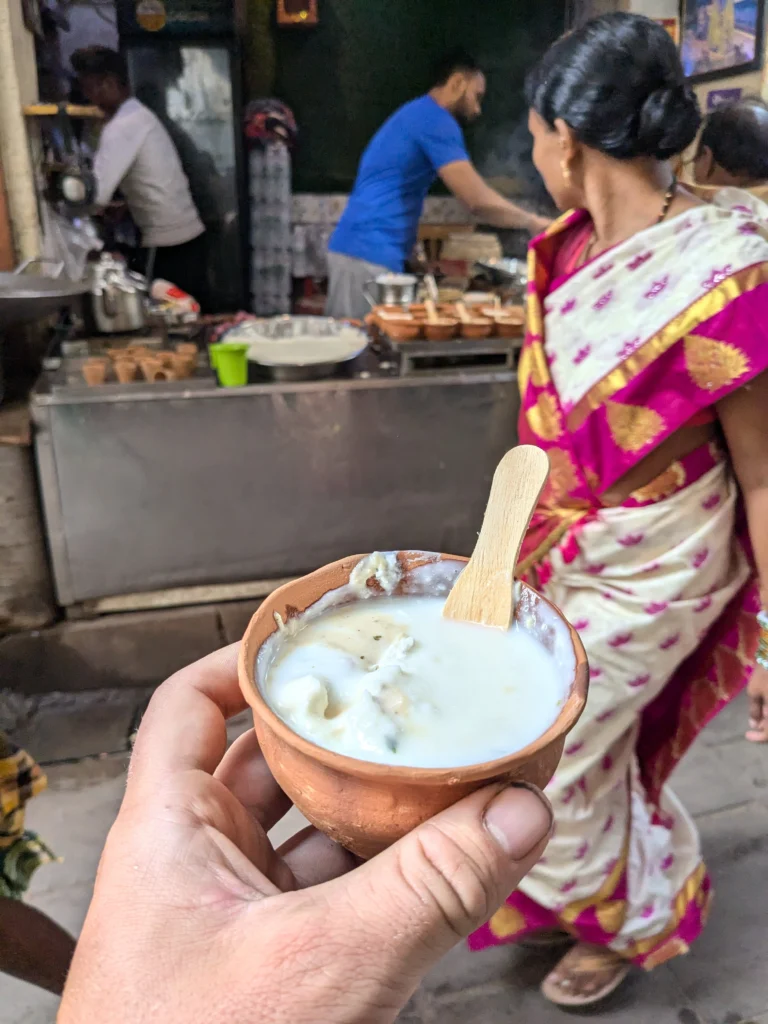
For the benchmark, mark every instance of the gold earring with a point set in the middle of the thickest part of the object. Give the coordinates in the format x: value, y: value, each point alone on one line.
x: 566, y: 170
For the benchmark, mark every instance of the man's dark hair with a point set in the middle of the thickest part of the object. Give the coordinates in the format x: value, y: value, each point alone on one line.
x: 456, y: 60
x: 737, y: 134
x: 101, y: 61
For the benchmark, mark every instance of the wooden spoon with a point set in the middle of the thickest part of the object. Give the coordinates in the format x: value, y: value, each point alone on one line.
x: 484, y: 592
x: 431, y: 310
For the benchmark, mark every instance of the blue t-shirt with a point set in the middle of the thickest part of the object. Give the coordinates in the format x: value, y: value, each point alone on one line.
x: 381, y: 221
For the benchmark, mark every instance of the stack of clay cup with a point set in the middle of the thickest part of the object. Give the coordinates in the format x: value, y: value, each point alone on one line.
x: 448, y: 320
x: 136, y: 362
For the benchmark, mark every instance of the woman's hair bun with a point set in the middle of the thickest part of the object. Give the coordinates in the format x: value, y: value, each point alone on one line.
x: 618, y: 83
x: 668, y: 122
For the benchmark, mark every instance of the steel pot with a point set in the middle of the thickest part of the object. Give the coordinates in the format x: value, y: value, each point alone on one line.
x: 117, y: 298
x: 391, y: 289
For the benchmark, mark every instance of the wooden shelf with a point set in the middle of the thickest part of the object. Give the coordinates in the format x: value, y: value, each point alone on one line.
x: 51, y: 109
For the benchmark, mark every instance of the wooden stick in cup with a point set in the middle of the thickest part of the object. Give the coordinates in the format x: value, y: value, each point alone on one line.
x: 484, y: 592
x: 463, y: 313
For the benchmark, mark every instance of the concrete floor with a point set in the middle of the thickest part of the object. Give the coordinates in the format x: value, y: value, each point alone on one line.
x: 724, y: 981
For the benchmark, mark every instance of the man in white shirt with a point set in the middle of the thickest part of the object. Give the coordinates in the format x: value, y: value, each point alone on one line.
x: 136, y: 155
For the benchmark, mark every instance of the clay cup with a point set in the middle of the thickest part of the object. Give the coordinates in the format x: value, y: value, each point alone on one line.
x: 366, y: 806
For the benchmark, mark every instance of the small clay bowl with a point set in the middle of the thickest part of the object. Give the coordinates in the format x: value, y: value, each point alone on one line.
x: 418, y: 310
x: 477, y: 327
x: 509, y: 326
x: 441, y: 329
x: 125, y: 369
x: 366, y: 806
x: 390, y: 311
x: 95, y: 371
x: 405, y: 328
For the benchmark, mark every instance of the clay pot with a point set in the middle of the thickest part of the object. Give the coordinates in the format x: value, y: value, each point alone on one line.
x: 509, y: 326
x: 441, y: 329
x: 148, y: 364
x: 95, y: 371
x: 138, y: 351
x: 162, y: 373
x: 153, y: 369
x: 183, y: 365
x: 477, y: 328
x: 404, y: 328
x: 187, y: 348
x: 418, y: 310
x: 391, y: 310
x: 125, y: 370
x: 366, y: 806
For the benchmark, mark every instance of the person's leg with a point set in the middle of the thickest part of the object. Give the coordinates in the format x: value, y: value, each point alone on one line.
x: 33, y: 947
x: 346, y: 279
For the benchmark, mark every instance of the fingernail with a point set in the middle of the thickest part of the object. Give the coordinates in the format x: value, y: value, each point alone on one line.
x: 519, y: 818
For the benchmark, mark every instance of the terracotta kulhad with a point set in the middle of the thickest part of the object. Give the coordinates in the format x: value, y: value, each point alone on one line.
x: 366, y: 806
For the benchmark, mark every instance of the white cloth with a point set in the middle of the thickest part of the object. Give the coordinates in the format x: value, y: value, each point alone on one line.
x: 136, y: 154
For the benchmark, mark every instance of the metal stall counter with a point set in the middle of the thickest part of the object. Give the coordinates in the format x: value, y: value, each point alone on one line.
x: 152, y: 487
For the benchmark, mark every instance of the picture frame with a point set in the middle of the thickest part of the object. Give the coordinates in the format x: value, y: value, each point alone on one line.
x: 297, y: 13
x: 721, y: 38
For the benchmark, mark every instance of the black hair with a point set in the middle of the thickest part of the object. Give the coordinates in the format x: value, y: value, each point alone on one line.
x: 618, y: 83
x: 101, y: 61
x: 737, y: 134
x: 456, y: 60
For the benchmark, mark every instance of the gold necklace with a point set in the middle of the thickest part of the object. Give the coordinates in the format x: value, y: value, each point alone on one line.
x: 669, y: 195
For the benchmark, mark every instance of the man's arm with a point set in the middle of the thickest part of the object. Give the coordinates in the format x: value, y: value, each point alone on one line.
x: 116, y: 152
x: 484, y: 202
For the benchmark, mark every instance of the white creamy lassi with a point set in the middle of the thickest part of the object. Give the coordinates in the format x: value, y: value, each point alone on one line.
x: 389, y: 680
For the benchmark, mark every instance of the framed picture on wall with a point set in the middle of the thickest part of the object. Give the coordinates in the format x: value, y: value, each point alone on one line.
x: 297, y: 12
x: 721, y: 37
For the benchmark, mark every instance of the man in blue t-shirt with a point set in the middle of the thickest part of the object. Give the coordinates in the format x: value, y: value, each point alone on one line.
x: 420, y: 141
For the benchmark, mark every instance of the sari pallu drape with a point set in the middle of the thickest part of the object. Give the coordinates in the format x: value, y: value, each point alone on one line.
x: 622, y: 354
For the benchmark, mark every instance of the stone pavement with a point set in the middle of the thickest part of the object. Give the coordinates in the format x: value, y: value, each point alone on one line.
x: 724, y: 782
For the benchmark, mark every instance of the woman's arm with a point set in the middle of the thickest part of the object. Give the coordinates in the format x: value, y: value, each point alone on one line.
x: 744, y: 417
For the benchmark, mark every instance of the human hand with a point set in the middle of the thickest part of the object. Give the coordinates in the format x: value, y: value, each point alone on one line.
x: 538, y: 224
x: 195, y: 917
x: 758, y: 706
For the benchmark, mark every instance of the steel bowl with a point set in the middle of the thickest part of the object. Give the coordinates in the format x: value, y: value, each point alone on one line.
x: 296, y: 327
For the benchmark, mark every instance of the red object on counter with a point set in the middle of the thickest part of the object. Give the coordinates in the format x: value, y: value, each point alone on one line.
x: 165, y: 291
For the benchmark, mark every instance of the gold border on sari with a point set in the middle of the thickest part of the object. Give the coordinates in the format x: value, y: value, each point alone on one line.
x: 685, y: 323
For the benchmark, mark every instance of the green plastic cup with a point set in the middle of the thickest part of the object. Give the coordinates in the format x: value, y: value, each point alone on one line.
x: 229, y: 360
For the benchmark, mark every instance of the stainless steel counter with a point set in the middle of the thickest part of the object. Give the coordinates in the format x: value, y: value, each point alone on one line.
x: 160, y: 486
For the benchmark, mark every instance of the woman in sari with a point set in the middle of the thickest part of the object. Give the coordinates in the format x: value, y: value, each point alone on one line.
x: 642, y: 376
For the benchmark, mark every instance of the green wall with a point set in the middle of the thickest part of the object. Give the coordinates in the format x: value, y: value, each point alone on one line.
x: 343, y: 78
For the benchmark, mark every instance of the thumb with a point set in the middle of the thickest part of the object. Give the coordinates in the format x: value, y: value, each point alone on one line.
x: 413, y: 902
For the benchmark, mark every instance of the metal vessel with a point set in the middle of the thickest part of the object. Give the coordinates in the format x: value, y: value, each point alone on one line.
x: 117, y: 297
x: 391, y: 290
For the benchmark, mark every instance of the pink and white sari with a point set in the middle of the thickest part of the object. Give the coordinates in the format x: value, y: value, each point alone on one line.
x: 619, y: 355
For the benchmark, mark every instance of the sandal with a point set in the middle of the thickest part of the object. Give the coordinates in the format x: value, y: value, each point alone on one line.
x: 546, y: 938
x: 584, y: 976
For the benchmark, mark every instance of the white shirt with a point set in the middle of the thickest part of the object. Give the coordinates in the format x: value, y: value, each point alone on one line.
x: 137, y: 155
